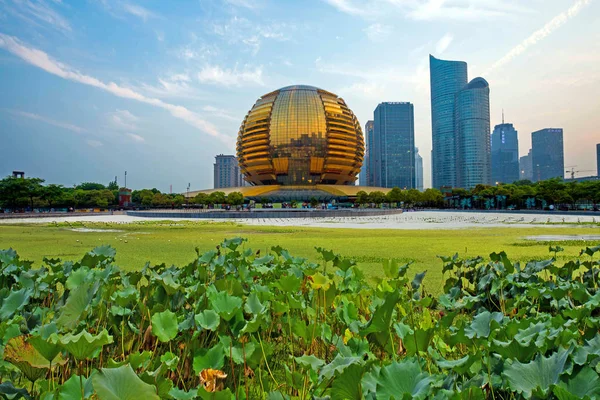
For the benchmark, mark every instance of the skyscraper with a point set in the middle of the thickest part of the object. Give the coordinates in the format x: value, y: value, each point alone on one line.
x: 418, y: 170
x: 547, y: 154
x: 227, y: 172
x: 505, y: 153
x: 598, y: 159
x: 472, y: 130
x: 526, y: 167
x: 394, y: 145
x: 369, y: 159
x: 447, y: 79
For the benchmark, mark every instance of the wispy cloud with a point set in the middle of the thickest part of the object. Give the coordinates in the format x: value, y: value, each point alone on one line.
x: 138, y: 11
x: 430, y: 9
x: 214, y: 74
x: 37, y: 13
x: 49, y: 121
x: 136, y: 138
x: 540, y: 34
x: 94, y: 143
x: 241, y: 30
x: 221, y: 113
x: 250, y: 4
x: 378, y: 32
x: 123, y: 120
x: 43, y: 61
x: 443, y: 43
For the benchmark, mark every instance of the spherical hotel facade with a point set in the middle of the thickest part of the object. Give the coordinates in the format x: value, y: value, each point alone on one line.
x: 300, y: 135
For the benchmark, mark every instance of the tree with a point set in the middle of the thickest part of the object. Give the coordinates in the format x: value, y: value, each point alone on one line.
x: 113, y: 185
x: 52, y: 194
x: 395, y: 195
x: 201, y: 199
x: 90, y: 186
x: 314, y: 202
x: 235, y: 198
x: 377, y: 197
x: 362, y: 198
x: 12, y: 190
x: 217, y: 198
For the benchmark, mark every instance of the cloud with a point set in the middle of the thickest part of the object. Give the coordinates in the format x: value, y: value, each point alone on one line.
x: 138, y: 11
x: 221, y: 113
x: 443, y: 43
x: 59, y: 124
x: 43, y: 61
x: 94, y: 143
x: 214, y: 74
x: 378, y: 32
x: 250, y: 4
x: 175, y: 85
x: 251, y: 34
x: 540, y: 34
x: 430, y: 9
x: 123, y: 120
x: 136, y: 138
x: 38, y: 13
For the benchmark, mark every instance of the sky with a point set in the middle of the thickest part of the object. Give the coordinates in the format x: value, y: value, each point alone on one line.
x: 92, y: 88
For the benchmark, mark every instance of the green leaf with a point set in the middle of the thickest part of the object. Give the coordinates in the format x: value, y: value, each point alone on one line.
x: 83, y: 345
x: 404, y: 379
x: 225, y: 305
x: 538, y: 374
x: 320, y: 281
x: 289, y: 283
x: 209, y: 358
x: 310, y: 361
x: 220, y: 395
x: 25, y: 357
x: 481, y: 325
x: 208, y: 319
x: 339, y: 364
x: 71, y: 389
x: 164, y: 325
x: 9, y: 391
x: 179, y: 394
x: 122, y: 384
x: 15, y: 301
x: 77, y: 302
x: 347, y: 386
x: 170, y: 360
x: 585, y: 384
x: 253, y: 305
x: 416, y: 282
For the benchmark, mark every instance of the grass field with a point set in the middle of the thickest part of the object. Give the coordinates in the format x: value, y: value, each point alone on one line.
x: 174, y: 243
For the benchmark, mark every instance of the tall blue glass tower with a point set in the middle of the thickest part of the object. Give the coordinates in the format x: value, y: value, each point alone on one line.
x: 472, y: 130
x: 547, y: 152
x: 393, y: 150
x: 369, y: 156
x: 505, y: 154
x: 447, y: 79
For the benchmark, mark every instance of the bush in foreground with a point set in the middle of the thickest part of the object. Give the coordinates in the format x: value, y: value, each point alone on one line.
x: 232, y: 324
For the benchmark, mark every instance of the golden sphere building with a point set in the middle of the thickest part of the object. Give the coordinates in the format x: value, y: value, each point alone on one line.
x: 299, y: 136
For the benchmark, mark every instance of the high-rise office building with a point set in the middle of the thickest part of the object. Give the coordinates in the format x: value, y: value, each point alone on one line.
x: 394, y: 145
x: 227, y: 172
x: 547, y: 154
x: 447, y: 79
x: 505, y: 153
x: 418, y: 170
x: 367, y: 169
x: 526, y: 167
x: 472, y: 131
x: 598, y: 159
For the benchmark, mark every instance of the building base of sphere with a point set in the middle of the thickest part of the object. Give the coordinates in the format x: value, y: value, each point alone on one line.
x: 280, y: 193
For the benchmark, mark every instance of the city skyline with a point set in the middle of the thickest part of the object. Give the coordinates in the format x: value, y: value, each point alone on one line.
x: 80, y: 105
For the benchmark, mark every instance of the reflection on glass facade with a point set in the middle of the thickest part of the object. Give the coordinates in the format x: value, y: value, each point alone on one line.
x: 526, y: 167
x: 300, y: 135
x: 418, y: 170
x: 394, y: 145
x: 447, y: 79
x: 505, y: 154
x: 366, y: 173
x: 547, y: 154
x: 472, y: 127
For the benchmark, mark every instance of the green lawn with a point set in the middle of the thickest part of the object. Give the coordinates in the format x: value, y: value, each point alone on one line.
x: 174, y: 243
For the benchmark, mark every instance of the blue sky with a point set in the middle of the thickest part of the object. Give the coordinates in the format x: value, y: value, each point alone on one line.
x: 91, y: 88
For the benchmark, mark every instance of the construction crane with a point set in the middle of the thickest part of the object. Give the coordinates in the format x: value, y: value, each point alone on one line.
x: 573, y: 172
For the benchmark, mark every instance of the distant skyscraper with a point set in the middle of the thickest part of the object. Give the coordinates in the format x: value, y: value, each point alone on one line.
x: 367, y: 169
x: 394, y: 145
x: 447, y: 79
x: 472, y: 130
x: 505, y: 153
x: 227, y: 172
x: 547, y: 154
x: 526, y: 167
x: 418, y: 170
x: 598, y: 159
